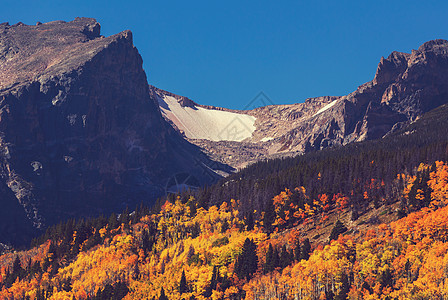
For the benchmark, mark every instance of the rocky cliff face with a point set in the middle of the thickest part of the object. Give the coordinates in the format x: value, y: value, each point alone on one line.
x: 79, y: 132
x: 404, y: 87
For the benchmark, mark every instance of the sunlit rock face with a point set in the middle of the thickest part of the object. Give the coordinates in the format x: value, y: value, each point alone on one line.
x: 405, y: 86
x: 80, y: 133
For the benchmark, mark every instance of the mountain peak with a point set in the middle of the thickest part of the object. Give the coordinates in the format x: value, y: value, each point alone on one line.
x: 80, y: 133
x: 87, y: 26
x: 405, y: 86
x: 438, y: 45
x: 389, y: 68
x: 28, y: 52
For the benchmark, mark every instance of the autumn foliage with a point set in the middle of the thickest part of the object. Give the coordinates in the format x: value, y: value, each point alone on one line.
x: 185, y: 251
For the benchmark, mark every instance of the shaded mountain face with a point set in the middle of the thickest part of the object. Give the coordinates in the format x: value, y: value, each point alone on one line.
x: 404, y: 87
x: 80, y: 134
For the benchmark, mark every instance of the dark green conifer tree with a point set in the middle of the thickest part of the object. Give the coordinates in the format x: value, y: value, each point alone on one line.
x: 285, y: 257
x: 183, y: 287
x: 247, y: 262
x: 269, y: 216
x: 269, y: 265
x: 250, y: 220
x: 297, y: 252
x: 162, y: 295
x: 305, y: 250
x: 338, y: 229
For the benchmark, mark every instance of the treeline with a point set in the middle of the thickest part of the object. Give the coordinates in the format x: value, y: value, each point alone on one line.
x: 331, y: 172
x: 339, y: 170
x: 188, y: 252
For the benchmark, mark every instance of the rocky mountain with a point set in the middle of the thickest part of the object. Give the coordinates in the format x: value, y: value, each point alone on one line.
x: 404, y: 87
x: 80, y: 133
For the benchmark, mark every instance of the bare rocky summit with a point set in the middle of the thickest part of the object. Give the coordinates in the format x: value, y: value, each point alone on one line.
x: 405, y: 86
x: 80, y: 134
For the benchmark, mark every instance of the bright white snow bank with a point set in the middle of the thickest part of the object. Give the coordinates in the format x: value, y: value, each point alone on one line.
x: 329, y: 105
x: 210, y: 124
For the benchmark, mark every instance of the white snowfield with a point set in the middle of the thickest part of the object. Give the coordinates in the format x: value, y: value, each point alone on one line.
x: 329, y: 105
x: 266, y: 139
x: 210, y: 124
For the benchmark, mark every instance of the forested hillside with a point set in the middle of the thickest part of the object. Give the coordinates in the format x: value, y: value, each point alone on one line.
x: 366, y: 221
x: 343, y: 170
x: 189, y: 252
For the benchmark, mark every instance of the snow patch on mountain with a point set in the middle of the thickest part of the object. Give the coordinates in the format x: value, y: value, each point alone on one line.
x: 326, y: 107
x: 202, y: 123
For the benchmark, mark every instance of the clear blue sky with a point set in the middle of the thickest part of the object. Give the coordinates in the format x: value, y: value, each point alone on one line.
x: 224, y: 53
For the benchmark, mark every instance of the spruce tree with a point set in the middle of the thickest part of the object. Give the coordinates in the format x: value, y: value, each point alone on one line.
x: 113, y: 221
x: 250, y: 221
x: 306, y: 249
x: 386, y: 278
x: 297, y: 252
x: 213, y: 283
x: 162, y: 295
x: 276, y: 259
x: 269, y: 216
x: 146, y: 244
x: 285, y: 258
x: 338, y: 229
x: 215, y: 278
x: 269, y: 265
x: 124, y: 218
x: 17, y: 270
x: 136, y: 272
x: 247, y: 262
x: 183, y: 287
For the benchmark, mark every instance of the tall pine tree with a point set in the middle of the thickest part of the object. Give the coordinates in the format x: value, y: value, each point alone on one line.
x: 338, y: 229
x: 162, y: 295
x: 272, y: 260
x: 247, y: 262
x: 269, y: 216
x: 305, y: 250
x: 183, y: 287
